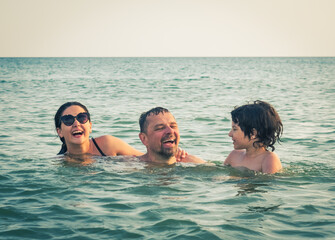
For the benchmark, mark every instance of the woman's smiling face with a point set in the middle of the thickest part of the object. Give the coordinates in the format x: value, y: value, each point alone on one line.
x: 78, y: 132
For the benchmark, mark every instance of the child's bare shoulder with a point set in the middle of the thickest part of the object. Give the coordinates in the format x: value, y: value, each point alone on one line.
x: 271, y: 156
x: 238, y: 152
x: 233, y: 156
x: 271, y: 163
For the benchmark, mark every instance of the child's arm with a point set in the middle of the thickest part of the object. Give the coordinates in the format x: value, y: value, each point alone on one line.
x: 271, y: 163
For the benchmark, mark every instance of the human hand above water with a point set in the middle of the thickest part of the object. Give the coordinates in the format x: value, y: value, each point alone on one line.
x: 181, y: 155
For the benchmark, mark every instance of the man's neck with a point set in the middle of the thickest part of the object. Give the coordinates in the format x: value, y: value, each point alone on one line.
x: 155, y: 158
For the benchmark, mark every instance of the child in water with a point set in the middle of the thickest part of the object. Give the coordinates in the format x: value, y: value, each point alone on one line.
x: 255, y: 128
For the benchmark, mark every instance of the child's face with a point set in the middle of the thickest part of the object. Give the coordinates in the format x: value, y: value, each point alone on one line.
x: 240, y: 141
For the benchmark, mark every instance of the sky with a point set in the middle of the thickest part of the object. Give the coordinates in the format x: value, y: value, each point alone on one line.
x: 167, y: 28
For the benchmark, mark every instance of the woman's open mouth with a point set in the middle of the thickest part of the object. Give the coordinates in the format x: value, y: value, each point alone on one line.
x: 77, y: 133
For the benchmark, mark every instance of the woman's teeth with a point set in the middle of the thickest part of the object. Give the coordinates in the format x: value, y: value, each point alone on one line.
x: 77, y: 133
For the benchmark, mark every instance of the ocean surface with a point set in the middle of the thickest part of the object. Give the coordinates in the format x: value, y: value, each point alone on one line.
x: 44, y: 197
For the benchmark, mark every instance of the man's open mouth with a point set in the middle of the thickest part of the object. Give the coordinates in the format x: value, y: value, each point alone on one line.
x: 169, y: 141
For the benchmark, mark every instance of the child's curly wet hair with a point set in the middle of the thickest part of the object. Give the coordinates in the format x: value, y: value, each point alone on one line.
x: 263, y: 118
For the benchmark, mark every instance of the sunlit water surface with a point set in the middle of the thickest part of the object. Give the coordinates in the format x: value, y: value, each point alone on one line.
x: 44, y: 197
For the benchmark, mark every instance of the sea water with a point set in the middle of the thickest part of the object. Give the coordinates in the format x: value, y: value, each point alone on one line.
x: 44, y: 197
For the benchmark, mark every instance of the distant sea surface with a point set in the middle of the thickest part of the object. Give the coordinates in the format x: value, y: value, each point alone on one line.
x: 43, y: 197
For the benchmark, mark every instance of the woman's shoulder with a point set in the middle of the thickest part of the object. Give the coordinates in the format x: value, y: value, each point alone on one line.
x: 106, y: 138
x: 108, y: 144
x: 113, y: 146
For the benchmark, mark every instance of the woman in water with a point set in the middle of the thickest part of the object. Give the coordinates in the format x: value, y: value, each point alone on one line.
x: 73, y: 125
x: 255, y: 128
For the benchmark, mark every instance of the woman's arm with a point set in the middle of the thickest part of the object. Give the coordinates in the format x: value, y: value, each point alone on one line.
x: 113, y: 146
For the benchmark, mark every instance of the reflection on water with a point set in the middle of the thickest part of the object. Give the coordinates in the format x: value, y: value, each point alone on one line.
x: 165, y: 181
x: 218, y: 200
x: 77, y: 160
x: 246, y: 188
x: 264, y: 209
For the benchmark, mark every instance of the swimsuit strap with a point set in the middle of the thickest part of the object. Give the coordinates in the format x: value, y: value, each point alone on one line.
x: 96, y: 145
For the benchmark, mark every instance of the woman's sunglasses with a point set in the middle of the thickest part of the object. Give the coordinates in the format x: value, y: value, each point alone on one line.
x: 68, y: 120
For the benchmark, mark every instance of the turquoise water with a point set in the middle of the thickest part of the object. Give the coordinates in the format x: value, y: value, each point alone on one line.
x: 42, y: 197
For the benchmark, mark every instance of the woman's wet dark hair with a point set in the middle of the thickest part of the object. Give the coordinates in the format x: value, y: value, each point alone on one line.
x: 262, y: 117
x: 58, y: 123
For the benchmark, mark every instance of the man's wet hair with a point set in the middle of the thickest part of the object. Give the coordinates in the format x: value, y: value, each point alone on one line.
x: 262, y: 117
x: 143, y: 118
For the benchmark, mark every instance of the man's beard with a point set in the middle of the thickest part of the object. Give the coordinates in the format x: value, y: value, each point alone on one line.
x: 168, y: 152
